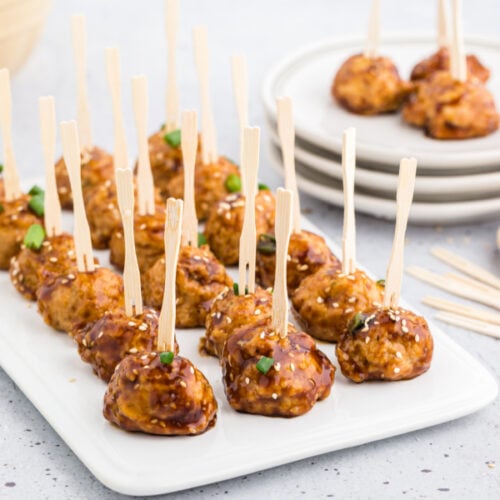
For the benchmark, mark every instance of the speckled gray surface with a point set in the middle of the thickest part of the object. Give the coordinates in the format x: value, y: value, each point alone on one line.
x: 454, y: 460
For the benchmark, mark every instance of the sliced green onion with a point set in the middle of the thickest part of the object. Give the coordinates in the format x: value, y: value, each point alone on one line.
x: 236, y: 289
x: 264, y: 364
x: 233, y: 183
x: 1, y: 208
x: 36, y: 190
x: 201, y: 239
x: 263, y: 187
x: 173, y: 138
x: 167, y: 357
x: 34, y: 237
x: 358, y: 322
x: 37, y: 203
x: 266, y: 244
x: 381, y: 283
x: 1, y: 168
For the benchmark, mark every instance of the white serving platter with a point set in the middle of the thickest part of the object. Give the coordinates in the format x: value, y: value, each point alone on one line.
x: 46, y: 367
x: 307, y: 75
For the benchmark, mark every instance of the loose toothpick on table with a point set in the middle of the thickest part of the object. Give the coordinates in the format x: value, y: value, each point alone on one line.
x: 373, y: 38
x: 12, y: 186
x: 52, y: 205
x: 286, y: 132
x: 348, y: 173
x: 458, y: 61
x: 145, y: 183
x: 406, y: 186
x: 72, y: 159
x: 189, y: 144
x: 166, y: 326
x: 284, y: 203
x: 171, y: 29
x: 250, y: 166
x: 443, y: 24
x: 209, y: 141
x: 469, y: 324
x: 131, y: 273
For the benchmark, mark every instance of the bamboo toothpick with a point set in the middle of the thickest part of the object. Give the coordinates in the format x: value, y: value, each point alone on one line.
x: 469, y: 324
x: 406, y: 185
x: 52, y: 205
x: 79, y: 37
x: 171, y: 29
x: 284, y: 203
x: 286, y: 133
x: 166, y: 326
x: 11, y: 178
x: 443, y: 24
x: 373, y: 38
x: 131, y: 273
x: 348, y: 172
x: 461, y: 279
x: 145, y: 183
x: 72, y: 159
x: 189, y: 144
x: 458, y: 58
x: 250, y: 166
x: 120, y: 156
x: 209, y: 141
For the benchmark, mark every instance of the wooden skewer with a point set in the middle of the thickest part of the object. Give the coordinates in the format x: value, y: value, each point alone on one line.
x: 406, y: 185
x: 10, y: 176
x: 52, y: 205
x: 443, y: 22
x: 462, y: 310
x: 373, y: 39
x: 348, y: 172
x: 478, y: 285
x: 145, y: 183
x: 131, y: 273
x: 171, y: 29
x: 284, y: 202
x: 79, y: 37
x: 286, y: 133
x: 72, y: 159
x: 498, y: 238
x: 458, y: 57
x: 120, y: 156
x: 250, y: 164
x: 189, y: 144
x: 209, y: 141
x: 469, y: 324
x: 466, y: 266
x: 166, y: 326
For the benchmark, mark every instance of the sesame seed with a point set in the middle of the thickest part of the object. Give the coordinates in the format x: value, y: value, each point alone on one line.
x: 398, y: 355
x: 247, y: 380
x: 292, y: 367
x: 257, y: 312
x: 154, y: 420
x: 191, y: 369
x: 111, y: 206
x: 182, y: 383
x: 144, y: 356
x: 367, y: 339
x: 277, y: 366
x: 335, y: 304
x: 53, y: 259
x: 397, y: 369
x: 64, y: 281
x: 228, y: 215
x: 303, y: 267
x: 133, y: 350
x: 196, y: 257
x: 84, y: 342
x: 229, y: 320
x: 71, y: 276
x: 274, y: 395
x: 404, y: 329
x: 143, y: 327
x: 101, y: 333
x: 131, y: 323
x: 417, y: 338
x: 348, y: 310
x: 320, y: 300
x: 351, y: 300
x: 218, y: 315
x: 142, y: 227
x: 263, y: 335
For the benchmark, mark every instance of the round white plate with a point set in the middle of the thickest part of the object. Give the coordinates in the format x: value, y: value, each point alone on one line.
x: 306, y: 76
x: 328, y: 189
x: 427, y: 188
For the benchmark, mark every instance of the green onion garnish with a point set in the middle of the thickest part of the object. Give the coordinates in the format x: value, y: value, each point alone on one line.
x: 167, y: 357
x: 1, y: 168
x: 201, y: 239
x: 233, y: 183
x: 381, y: 283
x: 357, y: 322
x: 264, y: 364
x: 37, y: 203
x: 34, y: 237
x: 173, y: 138
x: 236, y: 289
x: 263, y: 187
x: 266, y: 244
x: 36, y: 190
x: 1, y: 208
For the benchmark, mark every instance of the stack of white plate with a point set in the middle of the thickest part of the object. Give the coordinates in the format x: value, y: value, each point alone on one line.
x: 458, y: 181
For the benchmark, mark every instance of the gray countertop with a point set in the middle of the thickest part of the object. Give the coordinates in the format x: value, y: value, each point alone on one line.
x: 453, y: 460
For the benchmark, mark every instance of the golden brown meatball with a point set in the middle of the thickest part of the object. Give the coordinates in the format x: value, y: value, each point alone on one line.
x: 307, y: 252
x: 450, y: 109
x: 369, y: 86
x: 2, y: 190
x: 146, y: 395
x: 97, y: 167
x: 441, y: 61
x: 209, y: 185
x: 385, y: 344
x: 225, y: 222
x: 230, y: 312
x: 299, y: 376
x: 325, y: 303
x: 200, y: 278
x: 76, y: 297
x: 15, y: 219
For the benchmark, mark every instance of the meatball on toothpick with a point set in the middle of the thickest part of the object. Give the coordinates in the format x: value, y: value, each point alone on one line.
x: 88, y: 292
x: 326, y: 302
x: 389, y: 342
x: 269, y: 368
x: 161, y: 392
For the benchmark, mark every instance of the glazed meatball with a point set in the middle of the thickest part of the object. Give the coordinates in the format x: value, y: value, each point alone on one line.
x: 325, y: 303
x: 97, y: 167
x: 385, y: 344
x: 200, y: 278
x: 225, y: 222
x: 146, y: 395
x: 299, y: 376
x: 30, y: 268
x: 76, y: 297
x: 15, y: 219
x: 2, y: 190
x: 441, y: 61
x: 210, y: 185
x: 307, y: 252
x: 230, y: 312
x: 369, y: 86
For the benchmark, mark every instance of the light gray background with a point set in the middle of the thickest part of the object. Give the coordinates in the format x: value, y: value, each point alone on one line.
x: 447, y: 461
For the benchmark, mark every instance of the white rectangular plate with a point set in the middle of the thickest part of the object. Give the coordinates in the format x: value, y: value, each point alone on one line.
x: 46, y: 366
